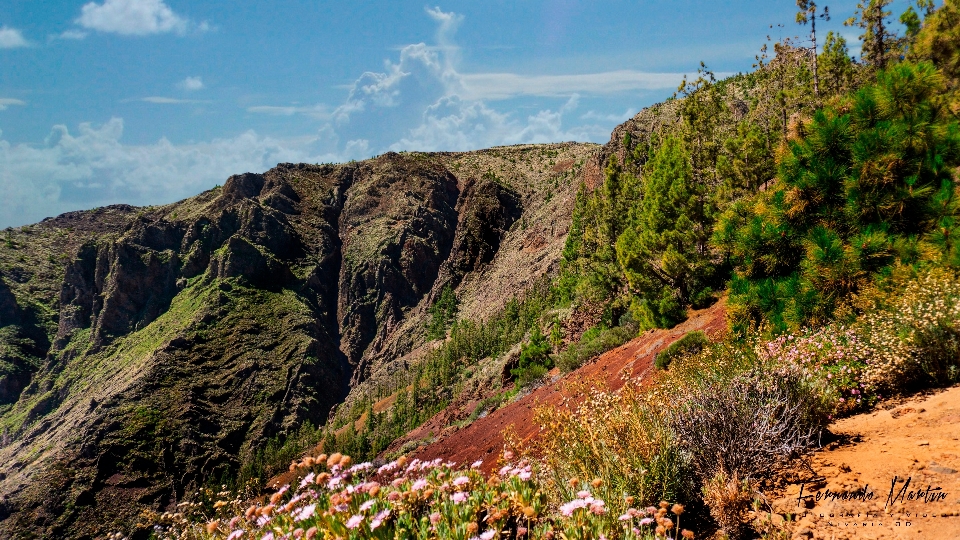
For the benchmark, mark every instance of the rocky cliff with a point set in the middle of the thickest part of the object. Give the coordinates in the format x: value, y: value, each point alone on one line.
x: 145, y: 352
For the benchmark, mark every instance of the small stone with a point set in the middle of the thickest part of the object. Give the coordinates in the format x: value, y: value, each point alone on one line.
x: 940, y: 469
x: 923, y: 443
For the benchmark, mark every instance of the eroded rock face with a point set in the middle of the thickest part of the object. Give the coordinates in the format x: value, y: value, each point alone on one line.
x: 187, y: 336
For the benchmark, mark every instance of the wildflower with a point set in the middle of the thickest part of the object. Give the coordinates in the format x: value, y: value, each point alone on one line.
x: 435, y: 518
x: 460, y: 481
x: 646, y: 521
x: 476, y: 464
x: 354, y: 521
x: 235, y: 534
x: 367, y: 505
x: 488, y: 535
x: 305, y: 512
x: 311, y: 532
x: 521, y: 531
x: 268, y: 536
x: 419, y: 484
x: 213, y: 526
x: 378, y: 519
x: 677, y: 509
x: 687, y: 534
x: 568, y: 508
x: 525, y: 475
x: 459, y: 497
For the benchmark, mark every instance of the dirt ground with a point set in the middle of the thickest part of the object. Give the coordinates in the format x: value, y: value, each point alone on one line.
x: 917, y: 441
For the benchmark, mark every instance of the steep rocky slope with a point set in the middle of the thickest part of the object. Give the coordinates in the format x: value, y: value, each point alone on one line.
x: 146, y: 351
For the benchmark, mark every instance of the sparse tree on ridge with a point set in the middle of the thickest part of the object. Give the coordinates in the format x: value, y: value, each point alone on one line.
x: 808, y: 14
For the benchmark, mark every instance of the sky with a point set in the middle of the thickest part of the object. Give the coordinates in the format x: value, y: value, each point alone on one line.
x: 146, y: 102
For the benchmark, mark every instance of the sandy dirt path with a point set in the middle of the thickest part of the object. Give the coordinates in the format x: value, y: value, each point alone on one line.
x: 915, y: 441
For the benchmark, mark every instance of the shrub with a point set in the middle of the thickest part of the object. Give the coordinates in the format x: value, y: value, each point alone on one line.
x: 690, y: 344
x: 750, y: 425
x: 594, y: 342
x: 534, y: 361
x: 620, y: 438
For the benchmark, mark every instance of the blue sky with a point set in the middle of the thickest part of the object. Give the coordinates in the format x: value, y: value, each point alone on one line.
x: 149, y: 101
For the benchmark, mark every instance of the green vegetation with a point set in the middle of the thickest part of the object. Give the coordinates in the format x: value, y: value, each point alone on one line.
x: 864, y: 185
x: 442, y: 313
x: 690, y: 344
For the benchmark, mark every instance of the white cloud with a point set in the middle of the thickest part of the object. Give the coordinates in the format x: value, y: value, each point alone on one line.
x: 11, y: 38
x: 509, y: 85
x: 191, y: 84
x: 134, y: 18
x: 6, y: 102
x: 92, y: 167
x: 72, y: 34
x: 616, y: 118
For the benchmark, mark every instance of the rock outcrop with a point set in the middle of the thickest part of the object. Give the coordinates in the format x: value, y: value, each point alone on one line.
x: 145, y: 352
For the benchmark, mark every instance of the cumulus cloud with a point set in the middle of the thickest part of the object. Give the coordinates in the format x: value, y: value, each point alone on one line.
x: 424, y: 102
x: 92, y: 167
x: 191, y: 84
x: 6, y: 102
x: 134, y: 18
x: 11, y: 38
x: 419, y: 101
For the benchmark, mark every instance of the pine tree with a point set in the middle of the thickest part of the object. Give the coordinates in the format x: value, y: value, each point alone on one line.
x: 836, y: 65
x: 664, y: 252
x: 880, y: 43
x: 862, y: 186
x: 808, y: 14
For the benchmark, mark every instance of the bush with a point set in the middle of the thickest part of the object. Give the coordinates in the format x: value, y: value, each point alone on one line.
x: 750, y: 425
x: 534, y: 359
x: 594, y: 342
x: 620, y: 438
x: 690, y: 344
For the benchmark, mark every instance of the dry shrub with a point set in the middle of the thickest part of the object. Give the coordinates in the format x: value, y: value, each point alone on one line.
x: 749, y: 425
x: 620, y: 438
x: 729, y: 499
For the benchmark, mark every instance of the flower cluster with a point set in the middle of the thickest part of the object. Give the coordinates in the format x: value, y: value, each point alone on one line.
x: 405, y: 498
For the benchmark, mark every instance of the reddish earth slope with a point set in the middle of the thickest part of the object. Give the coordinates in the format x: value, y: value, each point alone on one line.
x: 483, y: 439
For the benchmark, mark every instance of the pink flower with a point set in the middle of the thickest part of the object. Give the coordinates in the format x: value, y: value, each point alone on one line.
x: 461, y: 481
x: 459, y: 497
x: 268, y: 536
x: 354, y: 522
x: 646, y: 521
x: 306, y: 480
x: 525, y: 475
x: 476, y: 464
x: 583, y: 494
x: 367, y: 505
x: 488, y: 535
x: 435, y: 518
x: 235, y: 534
x: 419, y: 484
x: 304, y: 513
x: 378, y: 519
x: 569, y: 508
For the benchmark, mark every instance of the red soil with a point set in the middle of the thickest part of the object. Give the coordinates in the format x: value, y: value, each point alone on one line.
x: 483, y: 439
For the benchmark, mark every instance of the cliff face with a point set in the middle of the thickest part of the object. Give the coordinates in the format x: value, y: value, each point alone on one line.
x: 147, y: 351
